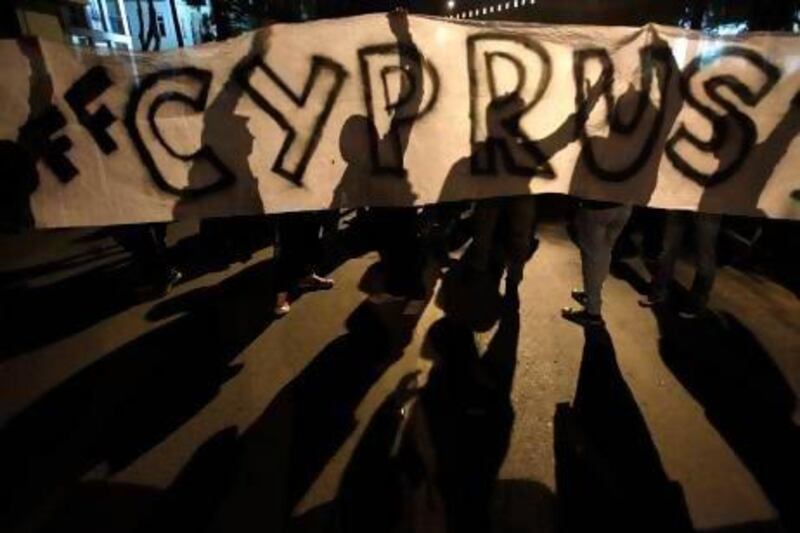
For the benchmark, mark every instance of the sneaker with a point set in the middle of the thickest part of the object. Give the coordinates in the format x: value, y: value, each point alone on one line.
x: 313, y: 282
x: 174, y: 276
x: 164, y: 287
x: 579, y: 296
x: 582, y: 317
x: 282, y: 306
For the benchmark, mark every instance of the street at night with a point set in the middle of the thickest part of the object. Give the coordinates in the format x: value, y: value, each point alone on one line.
x: 148, y: 408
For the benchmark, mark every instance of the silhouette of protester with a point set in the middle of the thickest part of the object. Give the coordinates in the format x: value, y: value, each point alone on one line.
x: 505, y: 226
x: 299, y: 250
x: 598, y: 223
x: 395, y: 230
x: 467, y: 405
x: 21, y: 178
x: 19, y: 181
x: 743, y: 190
x: 623, y: 164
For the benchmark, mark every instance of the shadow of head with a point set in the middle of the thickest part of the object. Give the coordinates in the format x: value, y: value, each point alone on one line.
x: 523, y: 506
x: 629, y: 106
x: 503, y: 115
x: 475, y: 304
x: 449, y: 342
x: 355, y: 139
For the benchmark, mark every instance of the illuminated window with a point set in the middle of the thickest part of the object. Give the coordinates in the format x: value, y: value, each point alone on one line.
x: 516, y: 3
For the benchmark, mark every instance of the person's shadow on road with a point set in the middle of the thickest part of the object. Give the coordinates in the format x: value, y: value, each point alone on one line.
x: 609, y: 474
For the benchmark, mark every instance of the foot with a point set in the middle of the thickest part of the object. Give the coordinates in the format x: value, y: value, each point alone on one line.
x: 579, y: 296
x: 652, y: 301
x: 174, y: 276
x: 582, y: 317
x: 282, y: 306
x: 313, y: 282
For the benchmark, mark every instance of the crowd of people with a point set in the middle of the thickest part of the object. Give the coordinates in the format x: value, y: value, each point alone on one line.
x: 501, y: 233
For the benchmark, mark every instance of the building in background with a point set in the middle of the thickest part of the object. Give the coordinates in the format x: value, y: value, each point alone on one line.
x: 715, y: 16
x: 99, y: 23
x: 150, y: 25
x: 167, y: 24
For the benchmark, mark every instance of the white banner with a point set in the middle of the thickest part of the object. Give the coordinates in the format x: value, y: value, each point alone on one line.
x: 395, y: 110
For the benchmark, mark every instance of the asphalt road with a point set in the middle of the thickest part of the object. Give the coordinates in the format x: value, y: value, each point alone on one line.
x: 199, y: 408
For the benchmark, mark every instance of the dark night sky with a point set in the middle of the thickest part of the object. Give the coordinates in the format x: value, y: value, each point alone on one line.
x: 762, y: 14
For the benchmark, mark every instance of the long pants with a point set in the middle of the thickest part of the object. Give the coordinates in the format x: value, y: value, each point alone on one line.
x: 147, y: 244
x: 520, y: 215
x: 398, y: 243
x: 706, y: 230
x: 598, y: 230
x: 299, y: 247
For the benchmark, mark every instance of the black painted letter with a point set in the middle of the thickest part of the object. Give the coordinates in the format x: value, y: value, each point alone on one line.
x: 85, y: 90
x: 197, y: 103
x: 730, y: 125
x: 303, y: 116
x: 37, y: 136
x: 496, y: 112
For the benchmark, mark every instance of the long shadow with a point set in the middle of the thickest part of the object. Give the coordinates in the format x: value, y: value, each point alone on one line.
x: 131, y: 399
x: 391, y: 481
x: 286, y: 449
x: 271, y: 465
x: 744, y: 395
x: 34, y: 316
x: 185, y: 505
x: 407, y: 470
x: 468, y: 407
x: 725, y: 368
x: 429, y: 458
x: 9, y: 278
x: 609, y: 475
